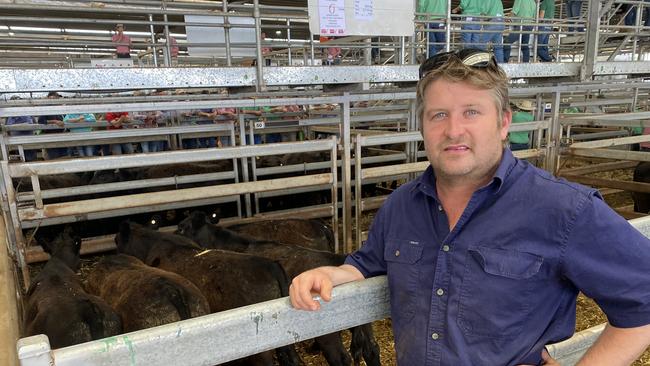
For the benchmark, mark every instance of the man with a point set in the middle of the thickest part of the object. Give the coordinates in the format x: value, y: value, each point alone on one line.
x: 55, y: 152
x: 436, y: 11
x: 546, y: 12
x: 493, y: 32
x: 521, y: 114
x: 524, y: 10
x: 470, y: 35
x: 573, y: 10
x: 116, y: 121
x: 122, y: 42
x: 484, y: 253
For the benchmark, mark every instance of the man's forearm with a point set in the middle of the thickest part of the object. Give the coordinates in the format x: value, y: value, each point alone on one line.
x: 617, y: 346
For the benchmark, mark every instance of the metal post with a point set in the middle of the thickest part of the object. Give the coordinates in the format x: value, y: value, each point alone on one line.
x: 367, y: 52
x: 154, y: 51
x: 358, y: 205
x: 260, y: 85
x: 289, y: 40
x: 226, y: 32
x: 536, y: 31
x: 402, y: 50
x: 168, y: 45
x: 311, y: 48
x: 554, y: 135
x: 448, y: 27
x: 345, y: 172
x: 591, y: 41
x: 244, y: 161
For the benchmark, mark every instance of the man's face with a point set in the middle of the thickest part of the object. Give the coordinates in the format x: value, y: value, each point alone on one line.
x: 461, y: 135
x: 119, y: 29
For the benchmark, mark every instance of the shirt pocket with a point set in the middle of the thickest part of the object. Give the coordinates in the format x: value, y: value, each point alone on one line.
x: 402, y: 268
x: 496, y: 293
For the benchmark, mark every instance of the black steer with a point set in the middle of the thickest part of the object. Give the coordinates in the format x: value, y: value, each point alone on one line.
x: 306, y: 233
x: 294, y: 260
x: 144, y: 296
x: 641, y: 200
x: 227, y: 279
x: 57, y: 305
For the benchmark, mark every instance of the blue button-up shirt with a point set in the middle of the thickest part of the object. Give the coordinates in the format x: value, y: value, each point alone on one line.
x: 503, y: 283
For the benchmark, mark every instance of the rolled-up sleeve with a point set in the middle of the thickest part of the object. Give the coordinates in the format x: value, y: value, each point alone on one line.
x: 609, y: 261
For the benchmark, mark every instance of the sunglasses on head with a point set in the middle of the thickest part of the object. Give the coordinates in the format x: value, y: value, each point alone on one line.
x: 468, y: 56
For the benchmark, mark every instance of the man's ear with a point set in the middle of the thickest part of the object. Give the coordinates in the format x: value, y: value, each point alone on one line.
x: 506, y: 121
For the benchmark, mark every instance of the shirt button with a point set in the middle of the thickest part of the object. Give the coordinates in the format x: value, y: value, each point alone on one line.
x: 445, y: 248
x: 397, y: 253
x: 440, y: 292
x: 435, y: 336
x: 439, y: 207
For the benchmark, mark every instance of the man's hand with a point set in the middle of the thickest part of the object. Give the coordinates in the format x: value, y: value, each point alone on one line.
x: 319, y: 281
x: 547, y: 359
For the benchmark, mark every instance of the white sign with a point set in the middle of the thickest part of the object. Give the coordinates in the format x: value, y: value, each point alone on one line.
x: 259, y: 125
x: 363, y: 9
x: 332, y: 17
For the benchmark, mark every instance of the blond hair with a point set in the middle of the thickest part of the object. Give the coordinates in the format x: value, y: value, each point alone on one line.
x: 490, y: 77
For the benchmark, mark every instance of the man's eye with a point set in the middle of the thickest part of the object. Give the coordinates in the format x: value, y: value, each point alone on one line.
x: 439, y: 116
x: 472, y: 112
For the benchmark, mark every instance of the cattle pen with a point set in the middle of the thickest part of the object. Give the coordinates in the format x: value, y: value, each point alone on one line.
x: 293, y: 138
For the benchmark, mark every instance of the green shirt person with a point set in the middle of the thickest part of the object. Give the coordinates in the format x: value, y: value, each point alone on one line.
x: 470, y: 35
x: 546, y: 11
x: 520, y: 114
x: 436, y: 11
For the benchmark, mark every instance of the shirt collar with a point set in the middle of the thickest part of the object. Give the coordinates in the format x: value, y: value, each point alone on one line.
x: 426, y: 183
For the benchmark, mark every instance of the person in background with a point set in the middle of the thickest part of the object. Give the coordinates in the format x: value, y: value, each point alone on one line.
x: 332, y: 54
x: 493, y: 32
x: 227, y: 114
x: 86, y: 150
x: 470, y: 36
x: 484, y: 253
x: 437, y: 14
x: 520, y: 114
x: 30, y: 155
x: 54, y: 152
x: 206, y: 117
x: 525, y: 11
x: 630, y: 18
x: 266, y: 51
x: 122, y: 42
x: 116, y: 121
x: 546, y: 12
x: 573, y: 10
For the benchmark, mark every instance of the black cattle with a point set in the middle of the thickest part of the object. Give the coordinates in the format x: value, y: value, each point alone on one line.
x: 57, y: 305
x: 227, y: 279
x: 294, y: 260
x: 312, y: 234
x: 142, y: 295
x: 641, y: 200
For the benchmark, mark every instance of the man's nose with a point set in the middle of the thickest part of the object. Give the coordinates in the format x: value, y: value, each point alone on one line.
x: 454, y: 127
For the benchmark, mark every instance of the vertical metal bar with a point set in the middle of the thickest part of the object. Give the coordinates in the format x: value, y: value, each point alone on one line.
x: 335, y: 194
x: 367, y: 51
x: 635, y: 99
x: 168, y: 43
x: 402, y: 50
x: 226, y: 32
x: 358, y: 208
x: 251, y: 136
x: 554, y: 136
x: 154, y: 50
x: 311, y: 48
x: 260, y: 85
x: 244, y: 161
x: 448, y: 27
x: 289, y: 40
x: 536, y: 31
x: 346, y: 171
x: 15, y: 221
x: 591, y: 41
